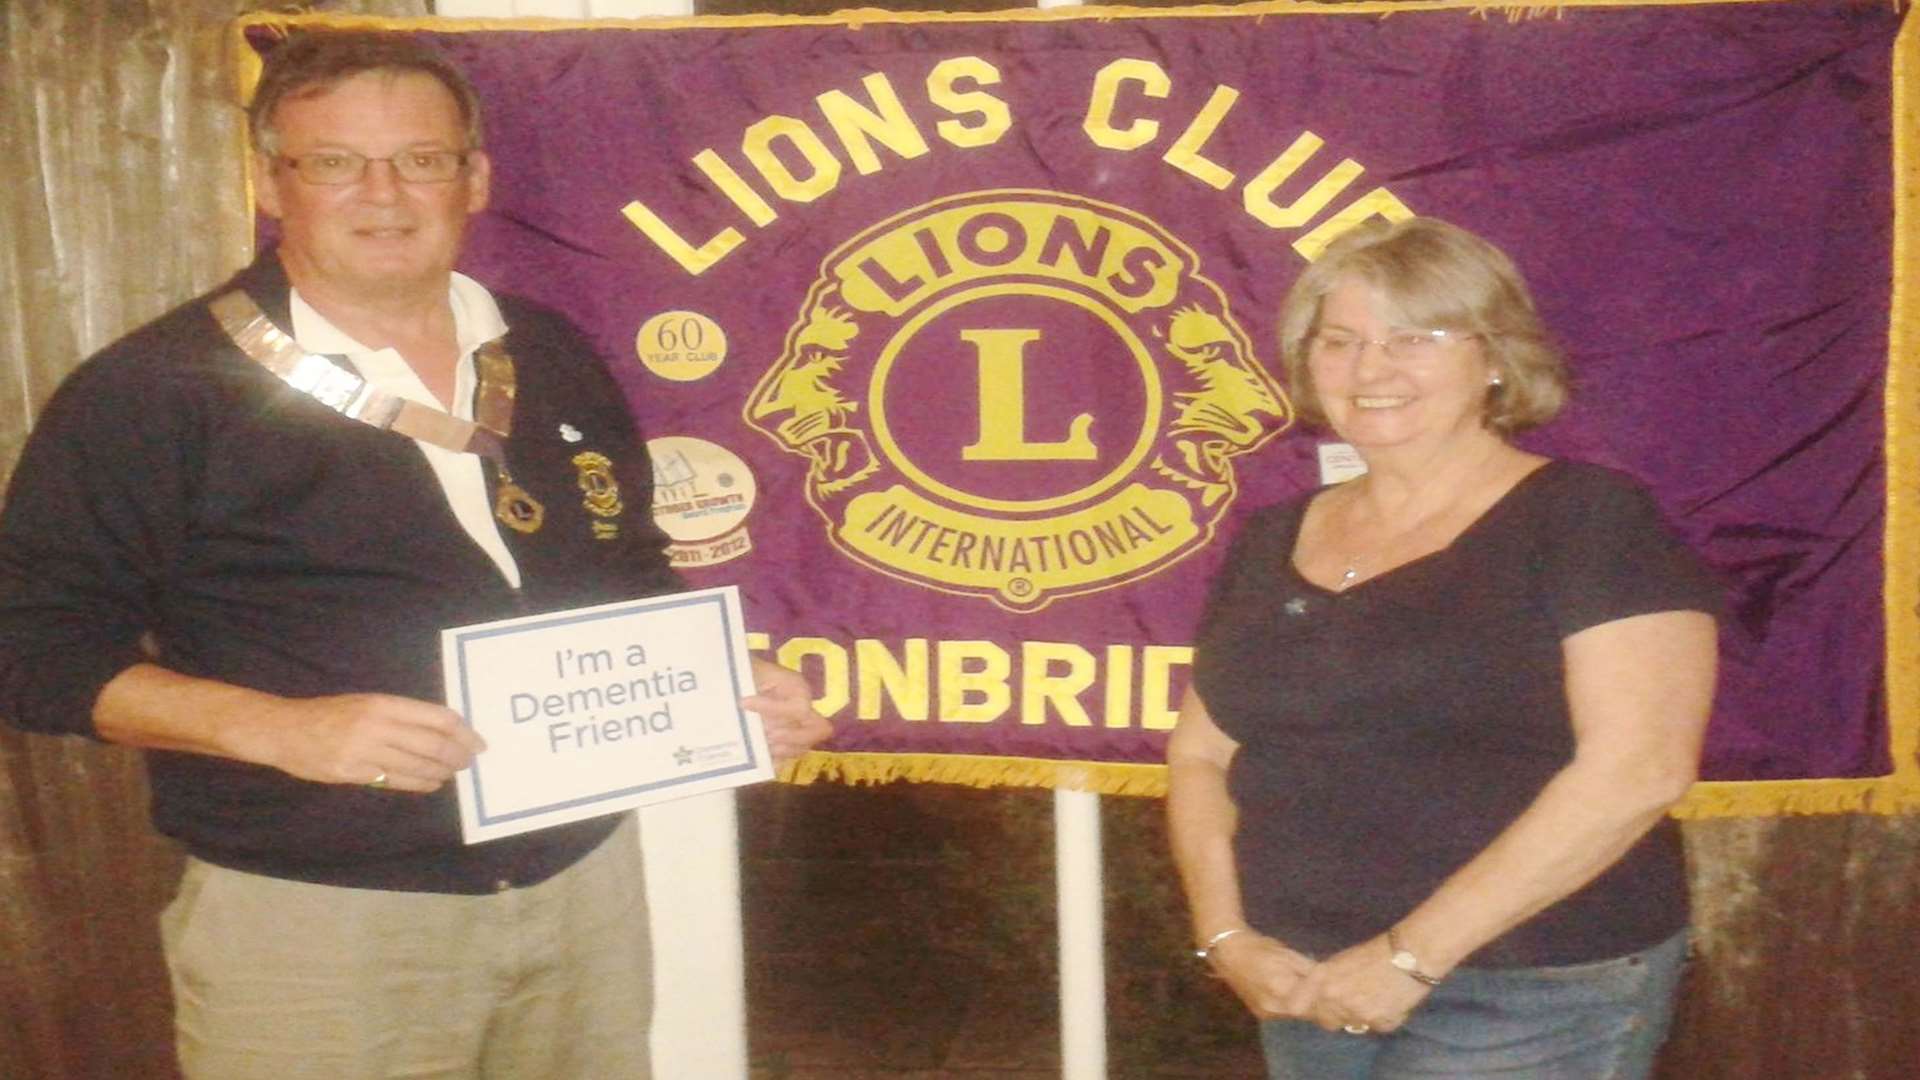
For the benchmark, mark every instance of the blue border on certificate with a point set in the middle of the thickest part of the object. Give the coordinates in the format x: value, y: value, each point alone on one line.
x: 637, y: 607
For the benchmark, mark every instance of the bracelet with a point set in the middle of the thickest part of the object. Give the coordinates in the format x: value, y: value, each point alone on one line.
x: 1205, y: 952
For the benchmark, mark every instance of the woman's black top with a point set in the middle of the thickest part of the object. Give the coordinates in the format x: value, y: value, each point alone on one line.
x: 1389, y: 732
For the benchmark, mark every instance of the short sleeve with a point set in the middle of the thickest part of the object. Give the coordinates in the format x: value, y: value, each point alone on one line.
x: 1607, y: 554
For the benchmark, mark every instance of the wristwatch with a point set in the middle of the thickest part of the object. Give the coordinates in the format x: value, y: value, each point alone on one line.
x: 1406, y: 961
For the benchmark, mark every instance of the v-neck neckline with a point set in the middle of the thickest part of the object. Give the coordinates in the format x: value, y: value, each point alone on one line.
x: 1506, y: 497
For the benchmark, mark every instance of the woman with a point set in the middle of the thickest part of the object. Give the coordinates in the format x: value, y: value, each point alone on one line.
x: 1419, y: 789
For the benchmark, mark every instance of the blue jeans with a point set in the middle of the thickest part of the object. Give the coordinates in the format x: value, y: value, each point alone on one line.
x: 1599, y: 1021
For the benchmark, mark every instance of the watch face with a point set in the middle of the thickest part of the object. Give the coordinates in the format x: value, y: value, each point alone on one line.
x: 1404, y: 960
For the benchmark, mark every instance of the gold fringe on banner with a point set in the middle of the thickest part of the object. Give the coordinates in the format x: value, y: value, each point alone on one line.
x: 1523, y: 12
x: 978, y: 770
x: 1769, y: 798
x: 856, y: 17
x: 1901, y: 587
x: 1897, y: 792
x: 1711, y: 799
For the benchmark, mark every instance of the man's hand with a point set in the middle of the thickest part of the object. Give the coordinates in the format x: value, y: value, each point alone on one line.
x: 785, y: 706
x: 401, y: 743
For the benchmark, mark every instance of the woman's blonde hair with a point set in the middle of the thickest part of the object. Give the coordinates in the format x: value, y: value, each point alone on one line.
x: 1434, y: 276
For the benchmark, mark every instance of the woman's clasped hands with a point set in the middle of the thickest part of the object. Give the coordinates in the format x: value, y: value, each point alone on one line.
x: 1358, y: 991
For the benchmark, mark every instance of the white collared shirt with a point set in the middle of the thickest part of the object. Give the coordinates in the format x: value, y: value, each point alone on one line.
x: 476, y: 321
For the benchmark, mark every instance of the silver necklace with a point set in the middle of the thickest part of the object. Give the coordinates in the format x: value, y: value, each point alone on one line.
x: 1351, y: 574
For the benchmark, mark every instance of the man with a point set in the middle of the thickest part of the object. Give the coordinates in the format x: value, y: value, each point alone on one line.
x: 248, y: 579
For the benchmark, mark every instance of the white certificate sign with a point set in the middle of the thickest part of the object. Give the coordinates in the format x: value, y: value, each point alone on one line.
x: 600, y: 709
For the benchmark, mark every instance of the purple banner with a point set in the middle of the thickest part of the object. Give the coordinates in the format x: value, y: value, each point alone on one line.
x: 955, y: 336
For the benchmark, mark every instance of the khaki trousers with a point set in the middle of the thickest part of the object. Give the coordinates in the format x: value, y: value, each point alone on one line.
x: 283, y: 980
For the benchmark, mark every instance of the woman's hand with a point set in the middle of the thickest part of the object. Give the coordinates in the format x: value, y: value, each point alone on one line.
x: 1359, y: 987
x: 1262, y: 971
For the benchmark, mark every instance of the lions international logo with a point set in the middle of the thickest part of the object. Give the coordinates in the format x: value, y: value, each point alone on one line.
x: 1017, y: 394
x: 600, y: 492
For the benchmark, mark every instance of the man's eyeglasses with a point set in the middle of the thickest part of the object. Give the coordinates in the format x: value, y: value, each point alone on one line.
x: 1403, y: 345
x: 337, y: 168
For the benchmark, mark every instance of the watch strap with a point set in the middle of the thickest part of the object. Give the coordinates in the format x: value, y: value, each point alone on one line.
x: 1404, y: 961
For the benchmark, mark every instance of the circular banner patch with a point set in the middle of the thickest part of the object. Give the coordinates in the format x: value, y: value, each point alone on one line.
x: 1018, y: 395
x: 702, y: 493
x: 684, y: 346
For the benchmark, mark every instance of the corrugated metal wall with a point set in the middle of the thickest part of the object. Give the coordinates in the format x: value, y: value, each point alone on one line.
x: 122, y: 197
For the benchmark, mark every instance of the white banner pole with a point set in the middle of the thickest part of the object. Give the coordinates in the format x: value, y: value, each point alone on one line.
x: 1083, y: 980
x: 699, y: 953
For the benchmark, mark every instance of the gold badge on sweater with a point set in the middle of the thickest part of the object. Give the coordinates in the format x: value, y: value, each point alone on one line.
x: 516, y: 509
x: 600, y: 492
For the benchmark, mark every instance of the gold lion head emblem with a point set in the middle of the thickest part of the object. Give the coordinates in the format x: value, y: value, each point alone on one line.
x: 1226, y: 404
x: 799, y: 405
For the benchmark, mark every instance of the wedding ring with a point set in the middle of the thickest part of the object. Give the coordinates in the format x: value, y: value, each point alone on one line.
x: 378, y: 781
x: 1356, y: 1029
